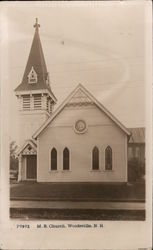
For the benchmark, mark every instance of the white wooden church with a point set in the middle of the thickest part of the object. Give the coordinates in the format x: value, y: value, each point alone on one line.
x: 80, y: 141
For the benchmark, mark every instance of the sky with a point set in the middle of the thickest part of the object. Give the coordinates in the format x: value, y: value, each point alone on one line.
x: 100, y: 45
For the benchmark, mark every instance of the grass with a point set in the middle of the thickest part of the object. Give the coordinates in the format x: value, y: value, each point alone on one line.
x: 78, y: 191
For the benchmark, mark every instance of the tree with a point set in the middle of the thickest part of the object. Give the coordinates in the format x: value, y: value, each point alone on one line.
x: 13, y: 158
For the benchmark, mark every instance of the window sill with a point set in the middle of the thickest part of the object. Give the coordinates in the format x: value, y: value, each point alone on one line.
x: 66, y: 171
x: 57, y: 171
x: 95, y: 170
x: 108, y: 170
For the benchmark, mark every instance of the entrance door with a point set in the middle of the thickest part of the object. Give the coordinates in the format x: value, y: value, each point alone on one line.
x: 31, y: 167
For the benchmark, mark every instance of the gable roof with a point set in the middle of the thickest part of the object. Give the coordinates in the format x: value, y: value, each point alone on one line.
x: 37, y: 61
x: 137, y: 135
x: 92, y: 99
x: 27, y: 142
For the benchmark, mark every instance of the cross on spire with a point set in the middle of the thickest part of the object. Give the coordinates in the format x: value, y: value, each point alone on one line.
x: 36, y: 25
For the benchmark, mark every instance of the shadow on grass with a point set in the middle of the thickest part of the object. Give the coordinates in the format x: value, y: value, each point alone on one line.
x: 68, y: 191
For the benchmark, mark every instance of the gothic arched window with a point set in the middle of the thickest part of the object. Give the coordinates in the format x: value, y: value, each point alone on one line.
x: 95, y: 158
x: 54, y: 159
x: 66, y: 159
x: 108, y: 158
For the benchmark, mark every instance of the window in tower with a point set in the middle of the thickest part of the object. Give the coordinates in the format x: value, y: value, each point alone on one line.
x: 49, y: 105
x: 37, y: 101
x: 26, y: 102
x: 32, y: 77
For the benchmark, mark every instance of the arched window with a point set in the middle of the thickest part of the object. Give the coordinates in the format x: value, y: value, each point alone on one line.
x: 66, y: 159
x: 108, y: 158
x: 54, y: 159
x: 95, y: 158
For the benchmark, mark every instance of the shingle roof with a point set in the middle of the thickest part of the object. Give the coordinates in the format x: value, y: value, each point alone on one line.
x: 137, y: 135
x: 37, y: 61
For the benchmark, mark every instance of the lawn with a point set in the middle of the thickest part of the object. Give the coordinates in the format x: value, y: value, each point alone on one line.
x: 78, y: 191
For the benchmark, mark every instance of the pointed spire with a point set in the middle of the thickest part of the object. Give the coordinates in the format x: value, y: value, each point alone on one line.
x: 36, y: 69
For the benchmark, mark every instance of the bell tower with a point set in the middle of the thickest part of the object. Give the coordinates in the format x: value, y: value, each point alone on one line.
x: 35, y: 97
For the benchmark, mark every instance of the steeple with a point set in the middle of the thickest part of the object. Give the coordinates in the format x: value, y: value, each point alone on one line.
x: 36, y: 99
x: 36, y: 76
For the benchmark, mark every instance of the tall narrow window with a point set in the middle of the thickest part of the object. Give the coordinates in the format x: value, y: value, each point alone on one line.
x: 66, y: 159
x: 95, y: 158
x: 37, y: 101
x: 26, y: 102
x: 108, y: 158
x: 54, y: 159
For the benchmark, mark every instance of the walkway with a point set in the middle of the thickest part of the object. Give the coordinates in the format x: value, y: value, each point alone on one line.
x: 78, y: 205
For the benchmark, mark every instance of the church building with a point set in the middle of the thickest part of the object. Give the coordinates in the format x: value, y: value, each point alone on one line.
x: 80, y: 141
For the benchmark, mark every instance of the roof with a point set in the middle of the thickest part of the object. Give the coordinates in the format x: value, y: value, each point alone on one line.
x: 37, y: 61
x: 27, y: 142
x: 137, y: 135
x: 92, y: 98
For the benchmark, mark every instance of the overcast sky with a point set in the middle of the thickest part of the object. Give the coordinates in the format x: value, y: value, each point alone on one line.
x: 101, y: 46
